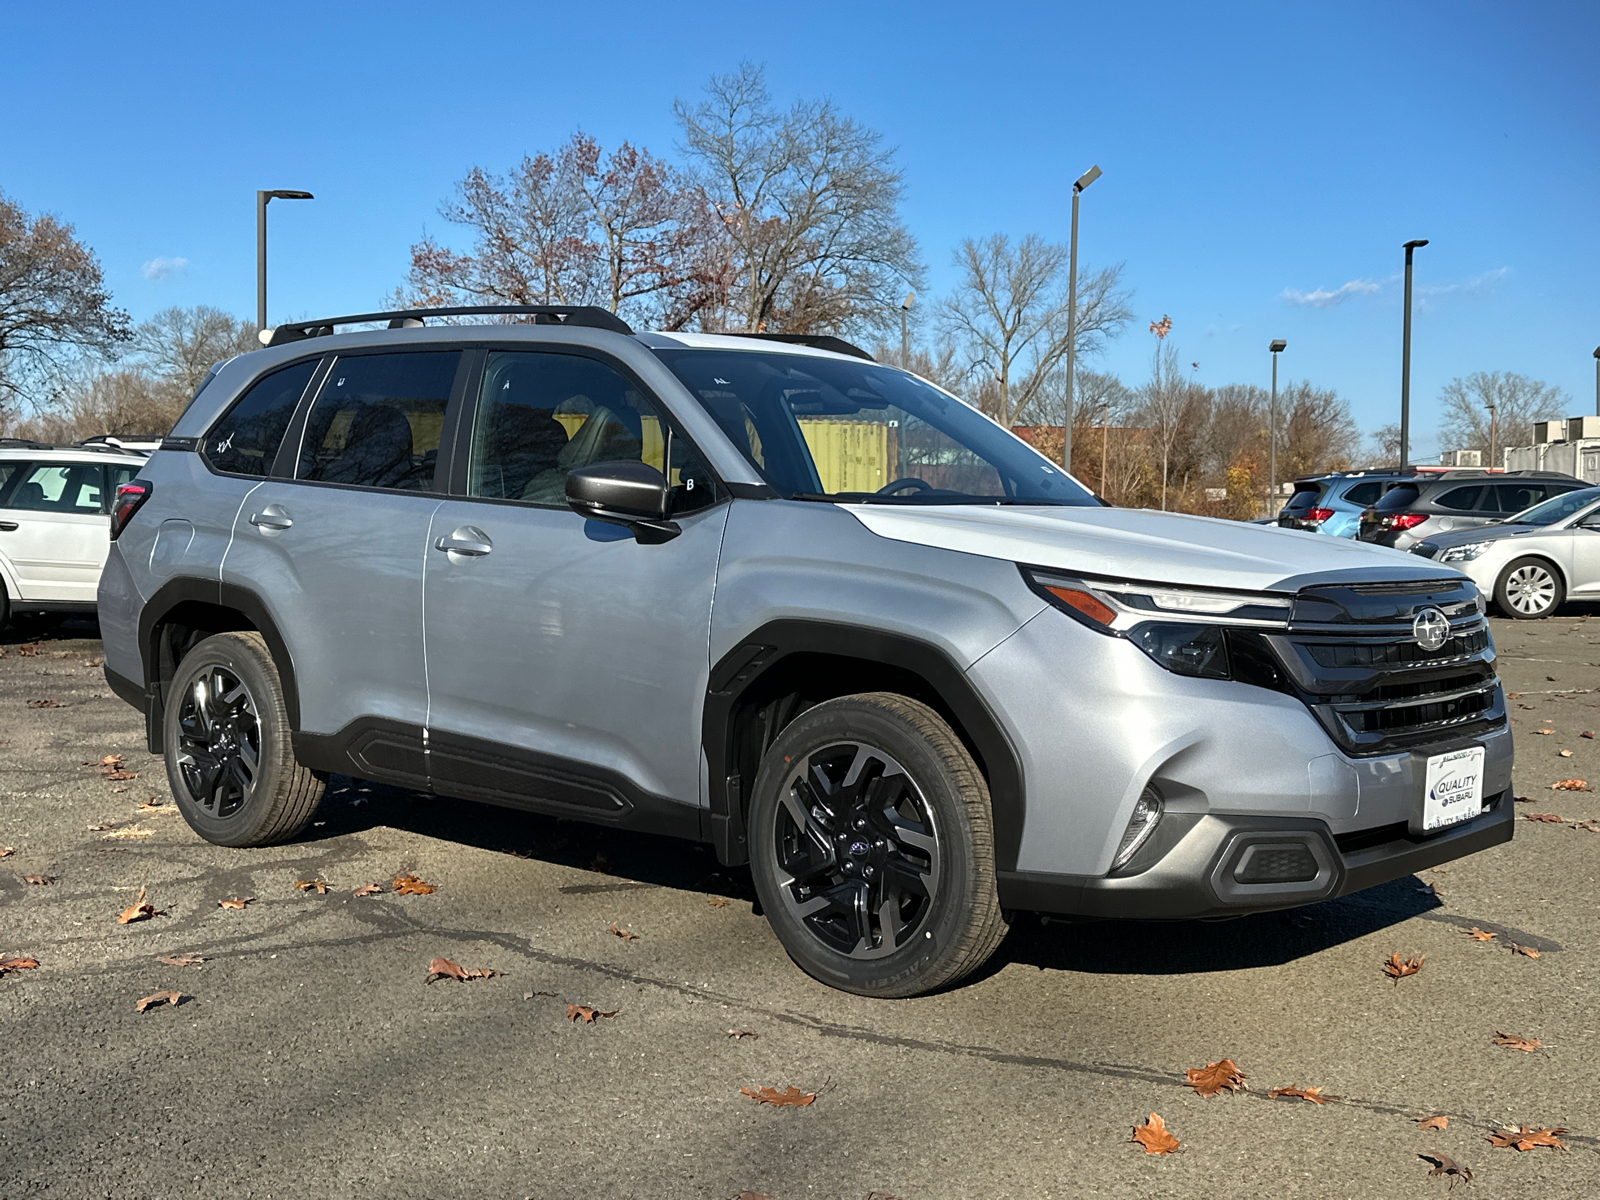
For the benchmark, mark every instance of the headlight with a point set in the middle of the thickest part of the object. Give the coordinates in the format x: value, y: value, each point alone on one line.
x: 1464, y: 553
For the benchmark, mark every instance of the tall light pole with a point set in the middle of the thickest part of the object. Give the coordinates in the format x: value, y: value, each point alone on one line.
x: 905, y: 332
x: 1405, y: 362
x: 262, y: 200
x: 1597, y: 381
x: 1492, y: 431
x: 1277, y: 347
x: 1082, y: 182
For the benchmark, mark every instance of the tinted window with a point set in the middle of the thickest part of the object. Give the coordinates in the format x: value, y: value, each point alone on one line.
x: 1558, y: 507
x: 60, y: 487
x: 541, y: 415
x: 246, y: 440
x: 843, y: 429
x: 7, y: 470
x: 376, y: 420
x: 1514, y: 497
x: 1461, y: 499
x: 1402, y: 495
x: 1305, y: 495
x: 1365, y: 493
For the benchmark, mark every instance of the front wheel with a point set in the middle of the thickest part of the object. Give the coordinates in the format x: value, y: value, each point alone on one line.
x: 229, y: 760
x: 1529, y: 589
x: 872, y: 847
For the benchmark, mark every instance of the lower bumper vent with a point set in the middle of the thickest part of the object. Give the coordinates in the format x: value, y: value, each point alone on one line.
x: 1281, y: 863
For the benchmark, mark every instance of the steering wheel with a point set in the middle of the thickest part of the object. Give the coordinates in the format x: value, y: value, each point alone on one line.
x: 900, y: 485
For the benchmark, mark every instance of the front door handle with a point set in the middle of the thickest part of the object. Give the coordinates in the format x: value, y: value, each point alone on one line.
x: 468, y: 540
x: 273, y: 518
x: 7, y: 526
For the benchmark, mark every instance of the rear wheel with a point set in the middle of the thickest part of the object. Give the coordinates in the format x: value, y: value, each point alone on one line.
x: 872, y: 847
x: 229, y: 760
x: 1529, y: 589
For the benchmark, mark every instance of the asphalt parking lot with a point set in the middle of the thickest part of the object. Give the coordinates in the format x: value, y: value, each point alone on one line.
x: 308, y: 1057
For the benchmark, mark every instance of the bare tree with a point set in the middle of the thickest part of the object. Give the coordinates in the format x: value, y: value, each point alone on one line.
x: 179, y: 345
x: 808, y: 202
x: 54, y: 304
x: 1165, y: 398
x: 1008, y: 314
x: 1316, y: 432
x: 1518, y: 400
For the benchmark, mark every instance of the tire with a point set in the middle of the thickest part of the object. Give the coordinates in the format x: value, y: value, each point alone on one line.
x: 884, y: 888
x: 229, y: 760
x: 1529, y: 589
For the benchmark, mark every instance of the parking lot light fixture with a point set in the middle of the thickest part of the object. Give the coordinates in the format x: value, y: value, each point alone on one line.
x: 1276, y: 346
x: 905, y: 333
x: 1078, y: 185
x: 1405, y: 361
x: 263, y: 198
x: 1597, y: 381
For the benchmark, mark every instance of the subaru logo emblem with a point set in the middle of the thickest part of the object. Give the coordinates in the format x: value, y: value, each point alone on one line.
x: 1430, y: 628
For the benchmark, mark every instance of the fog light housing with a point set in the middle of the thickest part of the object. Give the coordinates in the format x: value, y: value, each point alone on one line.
x: 1146, y: 812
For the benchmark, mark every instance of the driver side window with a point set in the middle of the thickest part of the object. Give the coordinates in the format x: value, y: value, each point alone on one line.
x: 540, y: 415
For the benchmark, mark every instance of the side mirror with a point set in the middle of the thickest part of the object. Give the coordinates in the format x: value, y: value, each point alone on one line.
x: 631, y: 494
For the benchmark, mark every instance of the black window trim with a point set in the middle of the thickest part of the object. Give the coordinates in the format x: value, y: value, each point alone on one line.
x: 466, y: 420
x: 200, y: 442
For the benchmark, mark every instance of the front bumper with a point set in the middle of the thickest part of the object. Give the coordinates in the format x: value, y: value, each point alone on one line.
x: 1197, y: 858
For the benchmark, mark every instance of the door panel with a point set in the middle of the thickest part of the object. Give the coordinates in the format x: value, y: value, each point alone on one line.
x: 54, y: 530
x: 1583, y: 575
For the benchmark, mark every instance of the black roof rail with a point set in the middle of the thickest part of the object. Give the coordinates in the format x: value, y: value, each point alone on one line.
x: 587, y: 316
x: 25, y: 444
x: 817, y: 341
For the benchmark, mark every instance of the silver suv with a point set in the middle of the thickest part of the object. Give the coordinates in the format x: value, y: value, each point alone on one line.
x: 770, y: 595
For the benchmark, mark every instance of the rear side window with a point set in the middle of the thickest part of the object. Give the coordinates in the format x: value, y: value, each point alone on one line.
x: 377, y: 420
x: 1305, y: 495
x: 1365, y: 493
x: 61, y: 488
x: 1514, y: 497
x: 1402, y: 495
x: 246, y: 440
x: 1461, y: 499
x: 7, y: 470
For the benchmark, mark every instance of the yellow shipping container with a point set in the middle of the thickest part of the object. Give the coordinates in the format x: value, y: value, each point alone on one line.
x: 851, y: 456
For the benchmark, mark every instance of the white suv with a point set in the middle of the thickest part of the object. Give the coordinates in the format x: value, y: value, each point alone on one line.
x: 55, y: 522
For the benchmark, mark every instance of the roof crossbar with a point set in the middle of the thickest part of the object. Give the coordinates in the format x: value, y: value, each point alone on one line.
x: 586, y: 316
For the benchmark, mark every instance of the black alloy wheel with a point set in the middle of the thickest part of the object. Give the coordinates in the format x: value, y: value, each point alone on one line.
x: 858, y: 849
x: 219, y: 742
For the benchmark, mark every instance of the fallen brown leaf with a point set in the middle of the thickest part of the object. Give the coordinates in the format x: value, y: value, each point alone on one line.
x: 787, y: 1098
x: 126, y: 834
x: 1397, y: 968
x: 753, y: 1196
x: 93, y: 662
x: 180, y: 960
x: 1522, y: 799
x: 1525, y: 1137
x: 1546, y: 818
x: 740, y: 1034
x: 44, y: 704
x: 443, y: 968
x: 137, y: 911
x: 588, y: 1015
x: 1544, y: 731
x: 1213, y: 1077
x: 119, y: 776
x: 6, y: 851
x: 1153, y: 1136
x: 320, y: 886
x: 17, y: 964
x: 1512, y: 1042
x: 1479, y: 935
x: 1294, y: 1093
x: 1570, y: 785
x: 626, y: 935
x: 1443, y: 1164
x: 1565, y: 753
x: 1434, y: 1123
x: 1587, y: 733
x: 410, y: 885
x: 42, y: 880
x: 150, y: 804
x: 234, y: 903
x: 713, y: 901
x: 1590, y: 826
x: 156, y: 1000
x: 28, y: 649
x: 1525, y: 951
x: 371, y: 889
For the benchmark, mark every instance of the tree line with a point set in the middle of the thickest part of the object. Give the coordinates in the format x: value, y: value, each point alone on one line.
x: 768, y: 219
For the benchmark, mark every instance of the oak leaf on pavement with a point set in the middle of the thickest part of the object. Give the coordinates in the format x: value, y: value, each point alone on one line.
x: 180, y: 960
x: 1213, y: 1077
x: 789, y: 1097
x: 1525, y: 1137
x: 1525, y: 951
x: 1512, y: 1042
x: 1153, y: 1136
x: 1434, y: 1123
x: 626, y: 935
x: 8, y: 965
x: 156, y: 1000
x: 1570, y: 785
x: 1315, y: 1095
x: 235, y: 903
x: 371, y: 889
x: 410, y: 885
x: 137, y: 911
x: 320, y: 886
x: 443, y: 968
x: 1443, y: 1164
x: 1397, y: 968
x: 587, y: 1014
x: 1544, y: 818
x: 1479, y: 935
x: 41, y: 880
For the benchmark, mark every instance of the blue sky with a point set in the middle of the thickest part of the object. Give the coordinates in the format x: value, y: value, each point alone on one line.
x: 1263, y: 164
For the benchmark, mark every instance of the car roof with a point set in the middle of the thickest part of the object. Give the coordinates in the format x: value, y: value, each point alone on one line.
x: 69, y: 454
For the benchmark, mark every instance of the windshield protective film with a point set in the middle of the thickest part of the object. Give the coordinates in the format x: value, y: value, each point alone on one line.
x: 830, y: 429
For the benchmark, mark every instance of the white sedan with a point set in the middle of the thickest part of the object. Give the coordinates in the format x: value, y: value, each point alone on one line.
x: 1531, y: 562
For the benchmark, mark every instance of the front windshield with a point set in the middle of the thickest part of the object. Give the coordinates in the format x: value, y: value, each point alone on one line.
x: 1556, y: 508
x: 833, y: 429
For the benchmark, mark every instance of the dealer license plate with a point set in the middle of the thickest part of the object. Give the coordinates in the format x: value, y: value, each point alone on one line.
x: 1453, y: 791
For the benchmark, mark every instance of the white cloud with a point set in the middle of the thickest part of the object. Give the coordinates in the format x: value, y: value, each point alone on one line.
x: 1478, y: 283
x: 165, y: 268
x: 1322, y: 298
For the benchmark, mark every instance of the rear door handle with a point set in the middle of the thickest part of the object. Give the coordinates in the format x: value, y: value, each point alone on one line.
x: 7, y: 526
x: 468, y: 540
x: 273, y: 517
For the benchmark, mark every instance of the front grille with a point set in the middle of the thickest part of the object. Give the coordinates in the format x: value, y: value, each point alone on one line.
x: 1358, y: 666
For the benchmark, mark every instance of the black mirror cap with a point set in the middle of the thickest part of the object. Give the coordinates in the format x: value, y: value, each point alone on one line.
x: 632, y: 494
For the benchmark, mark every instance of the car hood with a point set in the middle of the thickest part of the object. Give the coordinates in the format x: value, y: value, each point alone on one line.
x: 1139, y: 543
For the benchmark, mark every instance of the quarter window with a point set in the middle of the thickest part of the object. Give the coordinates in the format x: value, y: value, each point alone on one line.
x: 246, y: 440
x: 1461, y: 499
x: 1364, y: 493
x: 377, y: 419
x: 541, y: 415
